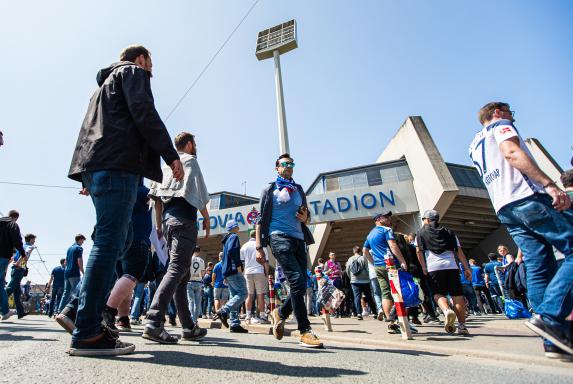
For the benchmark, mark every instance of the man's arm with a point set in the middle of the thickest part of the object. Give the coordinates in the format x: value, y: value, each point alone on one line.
x: 521, y: 161
x: 158, y: 209
x: 367, y: 255
x: 422, y: 260
x: 49, y: 282
x: 261, y: 251
x: 81, y: 264
x: 396, y: 251
x: 206, y: 221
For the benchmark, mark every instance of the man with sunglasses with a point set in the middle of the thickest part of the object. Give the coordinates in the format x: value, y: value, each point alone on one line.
x: 282, y: 225
x: 535, y: 212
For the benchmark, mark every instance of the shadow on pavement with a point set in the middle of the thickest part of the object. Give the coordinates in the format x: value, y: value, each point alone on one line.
x: 23, y: 328
x: 411, y: 352
x: 189, y: 360
x: 12, y: 337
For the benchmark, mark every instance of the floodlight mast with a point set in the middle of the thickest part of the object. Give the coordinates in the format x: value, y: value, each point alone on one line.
x: 273, y: 42
x: 283, y: 133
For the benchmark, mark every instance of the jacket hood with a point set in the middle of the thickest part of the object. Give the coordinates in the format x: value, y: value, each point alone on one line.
x: 227, y: 237
x: 105, y: 72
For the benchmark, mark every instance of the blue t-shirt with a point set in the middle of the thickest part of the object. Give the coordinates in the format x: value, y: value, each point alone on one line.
x: 490, y: 270
x: 283, y: 218
x: 58, y: 273
x: 477, y: 276
x: 377, y: 243
x: 462, y: 276
x: 74, y: 253
x: 219, y: 278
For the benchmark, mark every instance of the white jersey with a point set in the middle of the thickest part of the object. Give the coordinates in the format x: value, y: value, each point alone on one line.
x: 197, y: 267
x: 249, y: 258
x: 505, y: 184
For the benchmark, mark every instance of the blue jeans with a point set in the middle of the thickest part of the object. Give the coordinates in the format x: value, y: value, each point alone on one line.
x: 194, y: 295
x: 208, y: 300
x: 377, y: 293
x: 238, y: 289
x: 15, y: 288
x: 137, y: 297
x: 4, y: 309
x: 113, y: 194
x: 357, y: 290
x: 470, y: 295
x: 290, y: 253
x: 57, y: 294
x: 537, y: 227
x: 70, y: 284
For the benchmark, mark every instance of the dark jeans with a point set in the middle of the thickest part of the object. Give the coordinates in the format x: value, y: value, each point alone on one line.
x: 429, y: 304
x: 358, y: 289
x: 470, y: 295
x: 536, y: 227
x: 15, y: 288
x: 57, y: 293
x: 70, y: 284
x: 208, y: 300
x: 113, y: 194
x: 181, y: 239
x: 490, y: 302
x: 290, y: 253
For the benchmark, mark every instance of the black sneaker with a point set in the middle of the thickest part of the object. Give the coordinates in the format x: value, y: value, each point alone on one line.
x: 159, y: 335
x: 220, y: 315
x: 172, y: 321
x: 103, y: 345
x: 416, y: 321
x: 551, y: 333
x: 67, y: 318
x: 393, y: 328
x: 359, y: 317
x: 554, y: 352
x: 23, y: 314
x: 239, y: 329
x: 195, y: 334
x: 108, y: 319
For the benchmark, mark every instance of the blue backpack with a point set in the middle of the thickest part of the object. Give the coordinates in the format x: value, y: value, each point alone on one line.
x: 410, y: 290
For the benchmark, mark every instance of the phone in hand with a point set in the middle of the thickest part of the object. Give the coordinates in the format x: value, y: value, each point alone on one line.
x: 302, y: 209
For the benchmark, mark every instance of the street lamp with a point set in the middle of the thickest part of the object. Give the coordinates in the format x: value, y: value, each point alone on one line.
x: 273, y: 42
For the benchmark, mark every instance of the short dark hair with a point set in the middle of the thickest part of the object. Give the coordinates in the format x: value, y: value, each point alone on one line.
x: 182, y: 139
x: 132, y: 52
x: 356, y: 249
x: 492, y: 256
x: 14, y: 214
x: 486, y: 112
x: 79, y: 237
x: 29, y: 237
x: 320, y: 260
x: 283, y: 156
x: 197, y: 249
x: 62, y: 261
x: 567, y: 178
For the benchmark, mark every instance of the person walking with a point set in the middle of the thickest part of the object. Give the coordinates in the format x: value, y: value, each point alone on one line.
x: 19, y: 270
x: 284, y: 216
x: 57, y: 284
x: 10, y: 240
x: 256, y: 277
x: 536, y: 213
x: 220, y: 291
x: 195, y: 284
x: 121, y: 140
x: 357, y: 269
x: 176, y: 206
x: 74, y: 268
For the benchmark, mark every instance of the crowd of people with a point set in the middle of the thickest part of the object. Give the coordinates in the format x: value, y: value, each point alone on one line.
x: 126, y: 280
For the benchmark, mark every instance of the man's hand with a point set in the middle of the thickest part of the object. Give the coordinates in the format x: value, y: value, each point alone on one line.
x: 207, y: 228
x: 425, y: 271
x: 177, y: 169
x: 468, y: 274
x: 84, y: 192
x: 261, y: 259
x: 302, y: 217
x: 561, y: 200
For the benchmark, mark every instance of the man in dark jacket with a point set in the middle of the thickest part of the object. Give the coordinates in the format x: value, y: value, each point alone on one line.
x: 120, y: 141
x: 233, y: 272
x: 284, y: 215
x: 10, y: 240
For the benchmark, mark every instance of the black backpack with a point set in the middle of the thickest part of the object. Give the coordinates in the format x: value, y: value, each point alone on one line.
x: 520, y: 279
x: 357, y: 266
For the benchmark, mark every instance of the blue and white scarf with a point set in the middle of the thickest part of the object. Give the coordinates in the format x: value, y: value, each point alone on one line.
x: 284, y: 188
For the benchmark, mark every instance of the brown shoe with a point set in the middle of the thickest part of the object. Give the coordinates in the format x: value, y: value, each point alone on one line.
x: 278, y: 324
x: 310, y: 339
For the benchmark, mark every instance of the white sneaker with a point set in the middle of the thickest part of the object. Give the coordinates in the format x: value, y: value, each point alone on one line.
x: 255, y: 320
x: 263, y: 319
x: 450, y: 320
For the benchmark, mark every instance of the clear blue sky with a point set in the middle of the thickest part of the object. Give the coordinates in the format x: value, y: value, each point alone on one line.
x: 361, y: 68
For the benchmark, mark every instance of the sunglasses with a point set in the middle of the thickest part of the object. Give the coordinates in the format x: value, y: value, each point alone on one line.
x: 287, y: 164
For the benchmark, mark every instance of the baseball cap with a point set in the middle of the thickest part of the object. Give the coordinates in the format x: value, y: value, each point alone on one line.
x: 231, y: 224
x: 431, y: 214
x: 385, y: 214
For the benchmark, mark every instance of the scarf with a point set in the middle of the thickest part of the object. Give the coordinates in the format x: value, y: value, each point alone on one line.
x: 283, y: 189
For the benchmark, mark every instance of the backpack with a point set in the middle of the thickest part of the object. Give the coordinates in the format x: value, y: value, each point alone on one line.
x: 520, y: 279
x: 509, y: 281
x: 410, y: 290
x: 357, y: 266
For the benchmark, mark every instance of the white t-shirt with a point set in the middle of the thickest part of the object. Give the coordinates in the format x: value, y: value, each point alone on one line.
x: 249, y: 258
x: 505, y: 184
x: 441, y: 261
x: 197, y: 267
x: 371, y: 271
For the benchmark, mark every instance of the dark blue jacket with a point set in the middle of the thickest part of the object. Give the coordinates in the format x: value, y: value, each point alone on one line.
x: 266, y: 209
x: 231, y: 254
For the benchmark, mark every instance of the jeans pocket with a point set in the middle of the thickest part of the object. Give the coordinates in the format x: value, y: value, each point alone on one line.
x: 533, y: 214
x: 100, y: 183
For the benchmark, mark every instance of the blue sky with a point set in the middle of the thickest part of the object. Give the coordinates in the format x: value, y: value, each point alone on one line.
x: 361, y: 68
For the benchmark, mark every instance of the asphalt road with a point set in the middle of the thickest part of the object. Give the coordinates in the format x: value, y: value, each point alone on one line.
x: 32, y: 351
